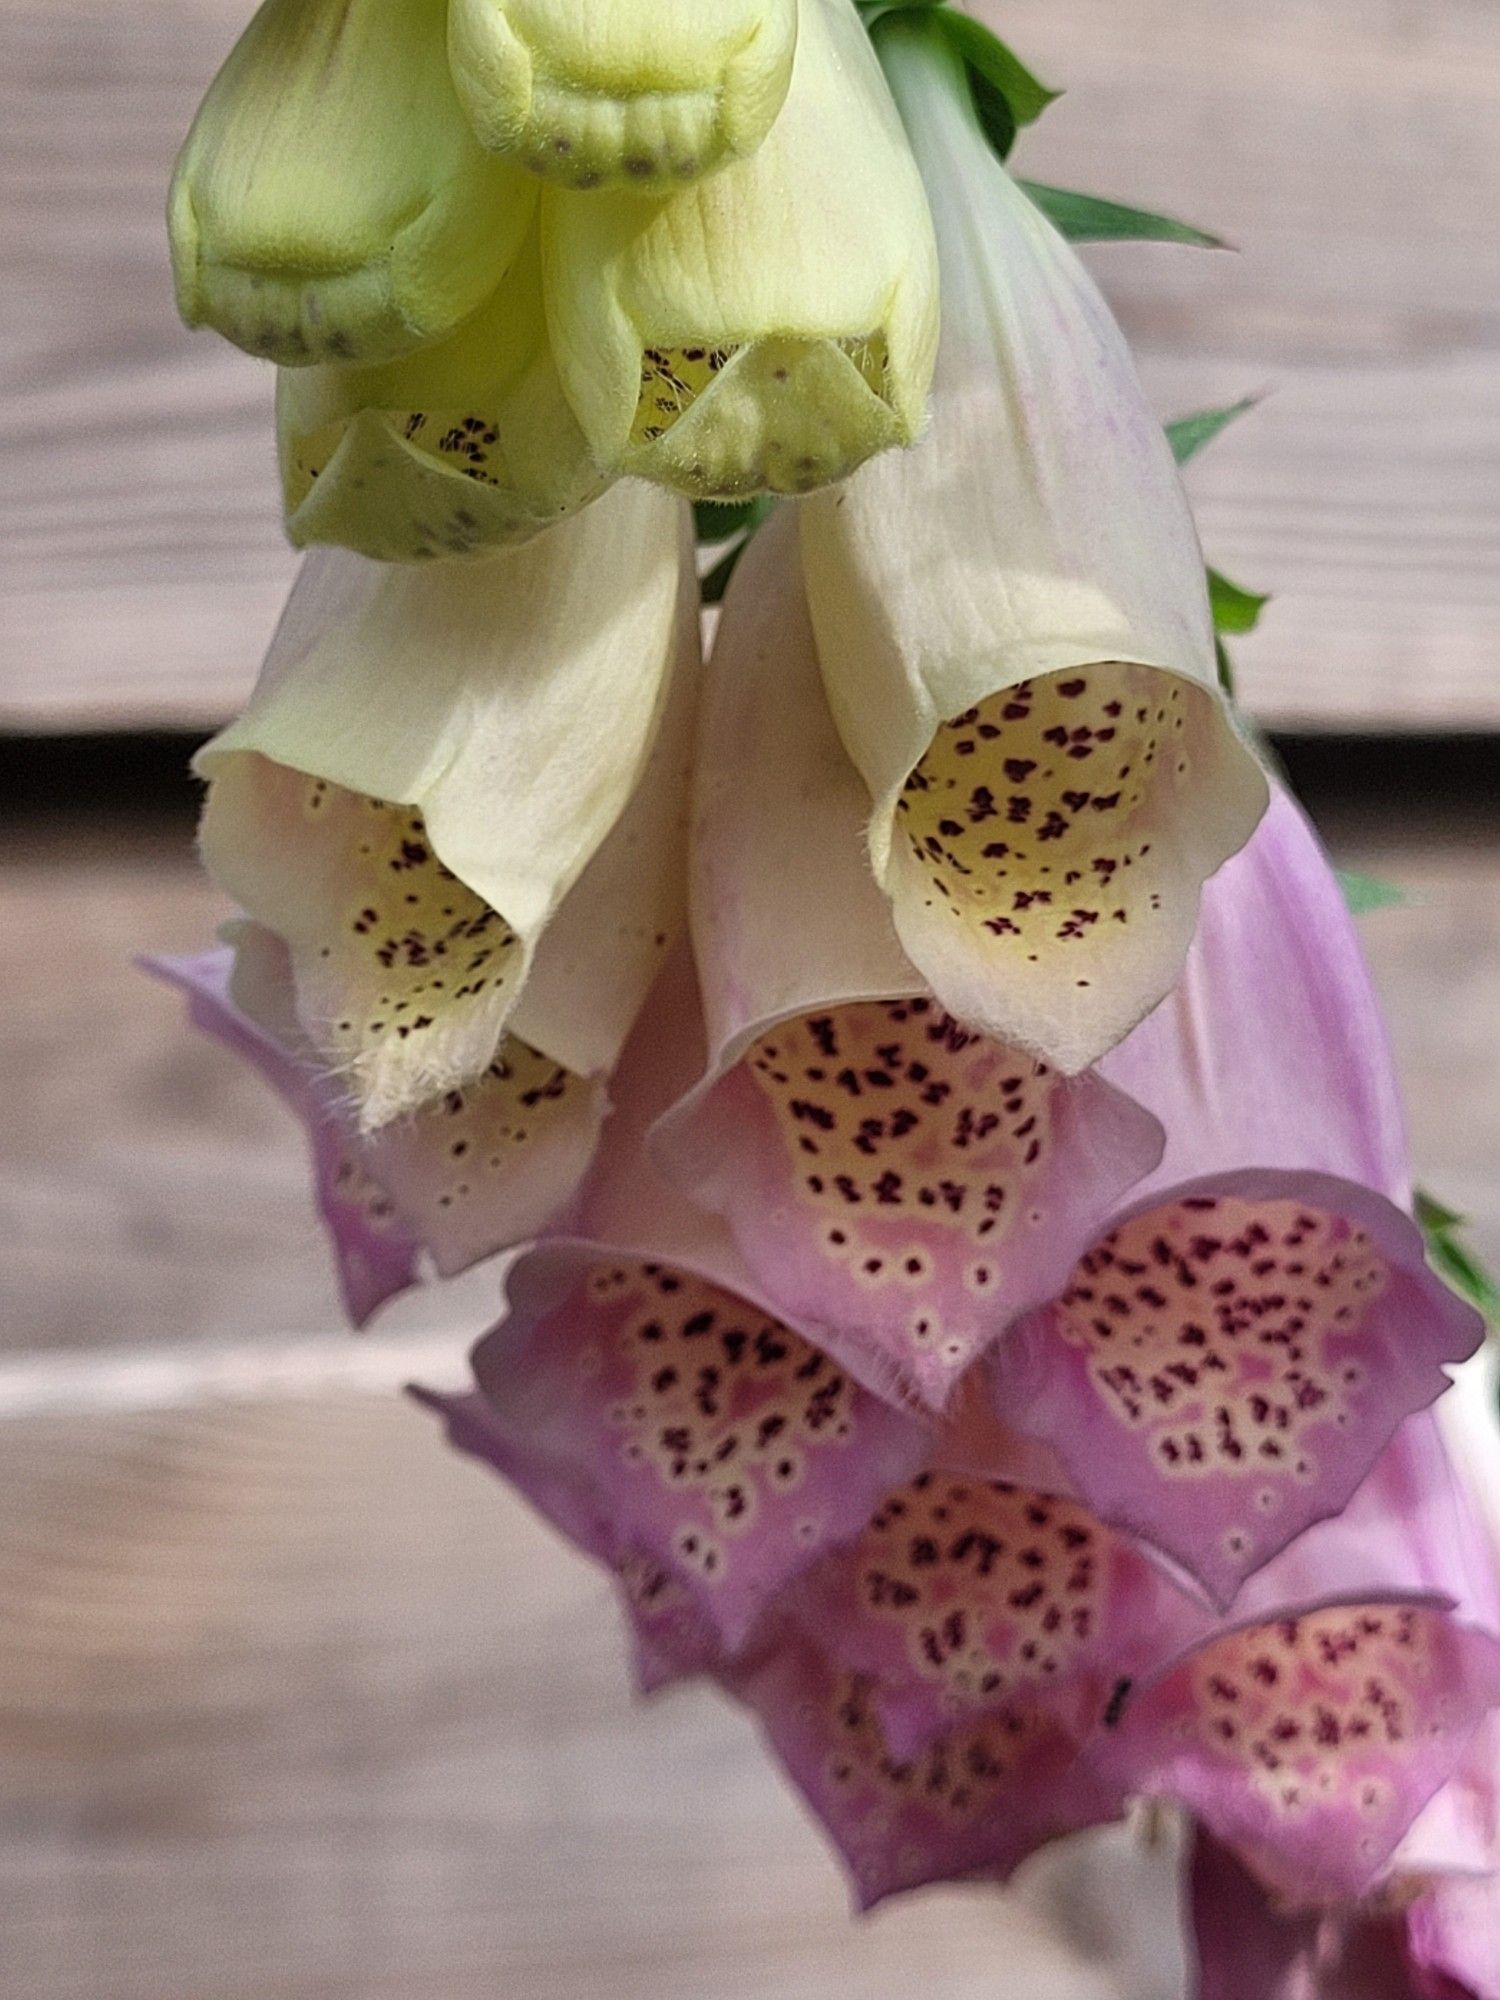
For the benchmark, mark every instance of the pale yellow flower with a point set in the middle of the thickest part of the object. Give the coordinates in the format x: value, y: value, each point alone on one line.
x: 432, y: 759
x: 643, y: 93
x: 331, y: 202
x: 769, y: 327
x: 1015, y: 633
x: 464, y: 446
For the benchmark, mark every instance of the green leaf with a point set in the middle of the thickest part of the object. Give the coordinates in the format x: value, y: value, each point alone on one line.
x: 1363, y: 893
x: 1006, y: 93
x: 714, y: 582
x: 1235, y: 609
x: 717, y: 520
x: 1189, y: 435
x: 1089, y: 218
x: 1453, y: 1261
x: 1226, y: 667
x: 1435, y: 1215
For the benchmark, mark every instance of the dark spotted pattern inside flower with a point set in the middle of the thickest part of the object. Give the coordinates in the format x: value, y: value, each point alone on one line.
x: 797, y: 450
x: 1311, y: 1708
x: 955, y: 1780
x: 462, y: 441
x: 672, y: 378
x: 473, y: 1138
x: 1031, y: 814
x: 353, y: 1186
x: 1208, y: 1326
x: 892, y: 1113
x: 994, y: 1587
x: 413, y: 942
x: 724, y: 1403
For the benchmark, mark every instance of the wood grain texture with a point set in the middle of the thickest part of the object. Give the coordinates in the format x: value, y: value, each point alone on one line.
x: 295, y: 1707
x: 1346, y: 144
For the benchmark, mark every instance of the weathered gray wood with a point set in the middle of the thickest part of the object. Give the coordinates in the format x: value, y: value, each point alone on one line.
x: 293, y: 1705
x: 1347, y: 146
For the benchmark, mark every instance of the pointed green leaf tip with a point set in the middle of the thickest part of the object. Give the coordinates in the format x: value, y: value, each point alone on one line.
x: 1236, y: 610
x: 1454, y: 1263
x: 1089, y: 218
x: 1006, y: 94
x: 1364, y: 893
x: 735, y: 522
x: 1190, y: 435
x: 718, y: 520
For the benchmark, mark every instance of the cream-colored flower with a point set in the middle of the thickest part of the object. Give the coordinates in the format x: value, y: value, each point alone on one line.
x: 1015, y: 633
x: 430, y: 762
x: 331, y: 202
x: 771, y: 326
x: 462, y: 447
x: 643, y: 93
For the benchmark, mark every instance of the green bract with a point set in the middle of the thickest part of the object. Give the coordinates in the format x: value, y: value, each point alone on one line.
x: 641, y: 93
x: 331, y: 203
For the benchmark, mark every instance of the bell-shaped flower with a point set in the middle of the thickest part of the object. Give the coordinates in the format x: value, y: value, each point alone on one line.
x: 488, y: 1164
x: 634, y: 1379
x: 769, y: 327
x: 1328, y: 1737
x: 1015, y: 630
x: 1226, y: 1363
x: 717, y: 1440
x: 900, y: 1186
x: 670, y: 1635
x: 466, y: 445
x: 430, y: 760
x: 643, y: 93
x: 971, y: 1806
x: 989, y: 1666
x: 330, y: 202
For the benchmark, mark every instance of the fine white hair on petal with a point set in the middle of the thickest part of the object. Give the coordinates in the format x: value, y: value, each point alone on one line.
x: 429, y: 763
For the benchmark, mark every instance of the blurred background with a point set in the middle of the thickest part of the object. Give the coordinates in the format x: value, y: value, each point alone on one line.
x: 293, y: 1706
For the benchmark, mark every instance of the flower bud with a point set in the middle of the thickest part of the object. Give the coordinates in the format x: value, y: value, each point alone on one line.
x: 772, y: 326
x: 463, y: 446
x: 331, y: 203
x: 642, y: 93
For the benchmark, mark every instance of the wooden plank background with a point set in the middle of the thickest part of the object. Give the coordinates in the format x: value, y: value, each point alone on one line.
x: 1347, y: 145
x: 294, y: 1706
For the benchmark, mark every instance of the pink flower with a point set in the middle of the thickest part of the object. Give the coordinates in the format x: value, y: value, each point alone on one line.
x: 898, y: 1184
x: 1227, y: 1360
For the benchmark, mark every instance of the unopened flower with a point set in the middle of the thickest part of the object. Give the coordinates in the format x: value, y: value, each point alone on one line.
x: 431, y: 759
x: 1225, y: 1364
x: 900, y: 1185
x: 769, y: 327
x: 463, y: 446
x: 643, y: 93
x: 331, y: 202
x: 1015, y: 631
